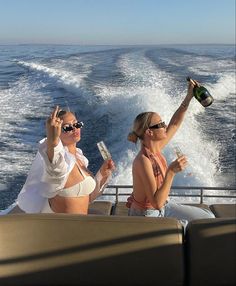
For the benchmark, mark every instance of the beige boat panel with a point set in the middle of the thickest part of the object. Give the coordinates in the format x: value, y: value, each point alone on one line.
x: 211, y: 252
x: 91, y: 250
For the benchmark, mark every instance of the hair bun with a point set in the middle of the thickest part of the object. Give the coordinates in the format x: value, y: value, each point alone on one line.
x: 132, y: 137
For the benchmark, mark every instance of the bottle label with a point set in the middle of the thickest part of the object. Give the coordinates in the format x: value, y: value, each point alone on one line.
x: 203, y: 96
x: 207, y: 101
x: 201, y: 93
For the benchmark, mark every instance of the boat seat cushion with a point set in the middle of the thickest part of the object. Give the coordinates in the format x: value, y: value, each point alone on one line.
x: 211, y: 252
x: 224, y: 210
x: 96, y: 207
x: 100, y: 208
x: 46, y: 249
x: 120, y: 209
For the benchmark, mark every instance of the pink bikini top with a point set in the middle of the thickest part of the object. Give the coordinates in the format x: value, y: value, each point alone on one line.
x: 159, y: 166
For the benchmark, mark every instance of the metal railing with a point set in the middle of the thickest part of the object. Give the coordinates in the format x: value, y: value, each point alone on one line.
x: 203, y: 192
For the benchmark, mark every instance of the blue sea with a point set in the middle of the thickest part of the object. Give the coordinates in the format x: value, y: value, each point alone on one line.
x: 107, y: 86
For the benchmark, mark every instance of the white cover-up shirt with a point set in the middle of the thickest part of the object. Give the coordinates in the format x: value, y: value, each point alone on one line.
x: 46, y: 178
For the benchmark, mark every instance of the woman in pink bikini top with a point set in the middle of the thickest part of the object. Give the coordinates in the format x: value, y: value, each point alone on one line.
x: 152, y: 178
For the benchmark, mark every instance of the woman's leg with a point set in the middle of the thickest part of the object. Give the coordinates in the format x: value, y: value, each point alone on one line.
x: 185, y: 212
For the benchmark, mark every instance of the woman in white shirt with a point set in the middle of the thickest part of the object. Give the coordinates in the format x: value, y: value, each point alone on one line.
x: 59, y: 180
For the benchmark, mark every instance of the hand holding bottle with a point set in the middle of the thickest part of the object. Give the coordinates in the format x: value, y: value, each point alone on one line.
x: 190, y: 90
x: 201, y: 93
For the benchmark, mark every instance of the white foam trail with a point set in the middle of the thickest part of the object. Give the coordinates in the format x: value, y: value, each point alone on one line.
x: 21, y: 100
x: 150, y: 89
x: 224, y: 88
x: 63, y: 75
x: 205, y: 66
x: 172, y: 62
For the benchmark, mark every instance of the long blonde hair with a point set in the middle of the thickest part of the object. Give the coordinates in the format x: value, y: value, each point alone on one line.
x: 140, y: 125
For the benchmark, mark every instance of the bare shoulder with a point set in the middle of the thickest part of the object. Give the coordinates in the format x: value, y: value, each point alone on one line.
x: 141, y: 162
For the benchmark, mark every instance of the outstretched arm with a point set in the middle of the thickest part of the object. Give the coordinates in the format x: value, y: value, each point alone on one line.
x: 178, y: 117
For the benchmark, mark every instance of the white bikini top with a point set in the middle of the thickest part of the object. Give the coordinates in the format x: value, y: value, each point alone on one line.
x: 83, y: 188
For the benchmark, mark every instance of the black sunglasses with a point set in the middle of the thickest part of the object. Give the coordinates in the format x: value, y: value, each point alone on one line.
x: 69, y: 127
x: 158, y: 125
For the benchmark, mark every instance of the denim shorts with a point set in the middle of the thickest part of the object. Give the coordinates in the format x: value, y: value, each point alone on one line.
x: 147, y: 213
x: 183, y: 213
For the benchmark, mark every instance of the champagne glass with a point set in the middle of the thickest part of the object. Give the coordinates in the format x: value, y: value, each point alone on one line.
x: 106, y: 155
x: 179, y: 153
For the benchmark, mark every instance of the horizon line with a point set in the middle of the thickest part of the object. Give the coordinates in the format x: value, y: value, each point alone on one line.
x: 77, y: 44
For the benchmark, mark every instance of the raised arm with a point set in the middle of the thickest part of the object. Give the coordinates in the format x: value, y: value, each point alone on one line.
x: 53, y: 128
x: 178, y: 117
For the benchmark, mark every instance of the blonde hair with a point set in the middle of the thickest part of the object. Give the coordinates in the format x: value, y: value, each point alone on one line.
x: 61, y: 113
x: 141, y: 124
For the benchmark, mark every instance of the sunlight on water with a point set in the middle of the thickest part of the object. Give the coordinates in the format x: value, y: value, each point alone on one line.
x: 109, y: 89
x: 149, y: 91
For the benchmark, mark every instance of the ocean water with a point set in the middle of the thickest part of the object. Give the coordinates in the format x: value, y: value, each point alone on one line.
x: 107, y: 86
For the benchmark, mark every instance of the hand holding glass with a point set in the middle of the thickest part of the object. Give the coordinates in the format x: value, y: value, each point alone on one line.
x: 179, y: 153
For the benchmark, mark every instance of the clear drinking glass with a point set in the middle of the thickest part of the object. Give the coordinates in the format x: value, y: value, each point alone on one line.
x: 106, y: 155
x: 179, y: 153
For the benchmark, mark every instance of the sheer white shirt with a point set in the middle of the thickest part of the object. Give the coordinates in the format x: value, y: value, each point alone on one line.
x: 46, y: 178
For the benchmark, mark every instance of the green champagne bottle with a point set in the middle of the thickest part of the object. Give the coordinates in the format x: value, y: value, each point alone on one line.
x: 201, y: 93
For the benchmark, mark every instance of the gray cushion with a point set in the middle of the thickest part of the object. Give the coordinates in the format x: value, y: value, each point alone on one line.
x: 224, y: 210
x: 211, y: 252
x: 100, y: 208
x: 120, y: 209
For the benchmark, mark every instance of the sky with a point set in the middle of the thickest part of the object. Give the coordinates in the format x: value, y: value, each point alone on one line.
x: 117, y: 22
